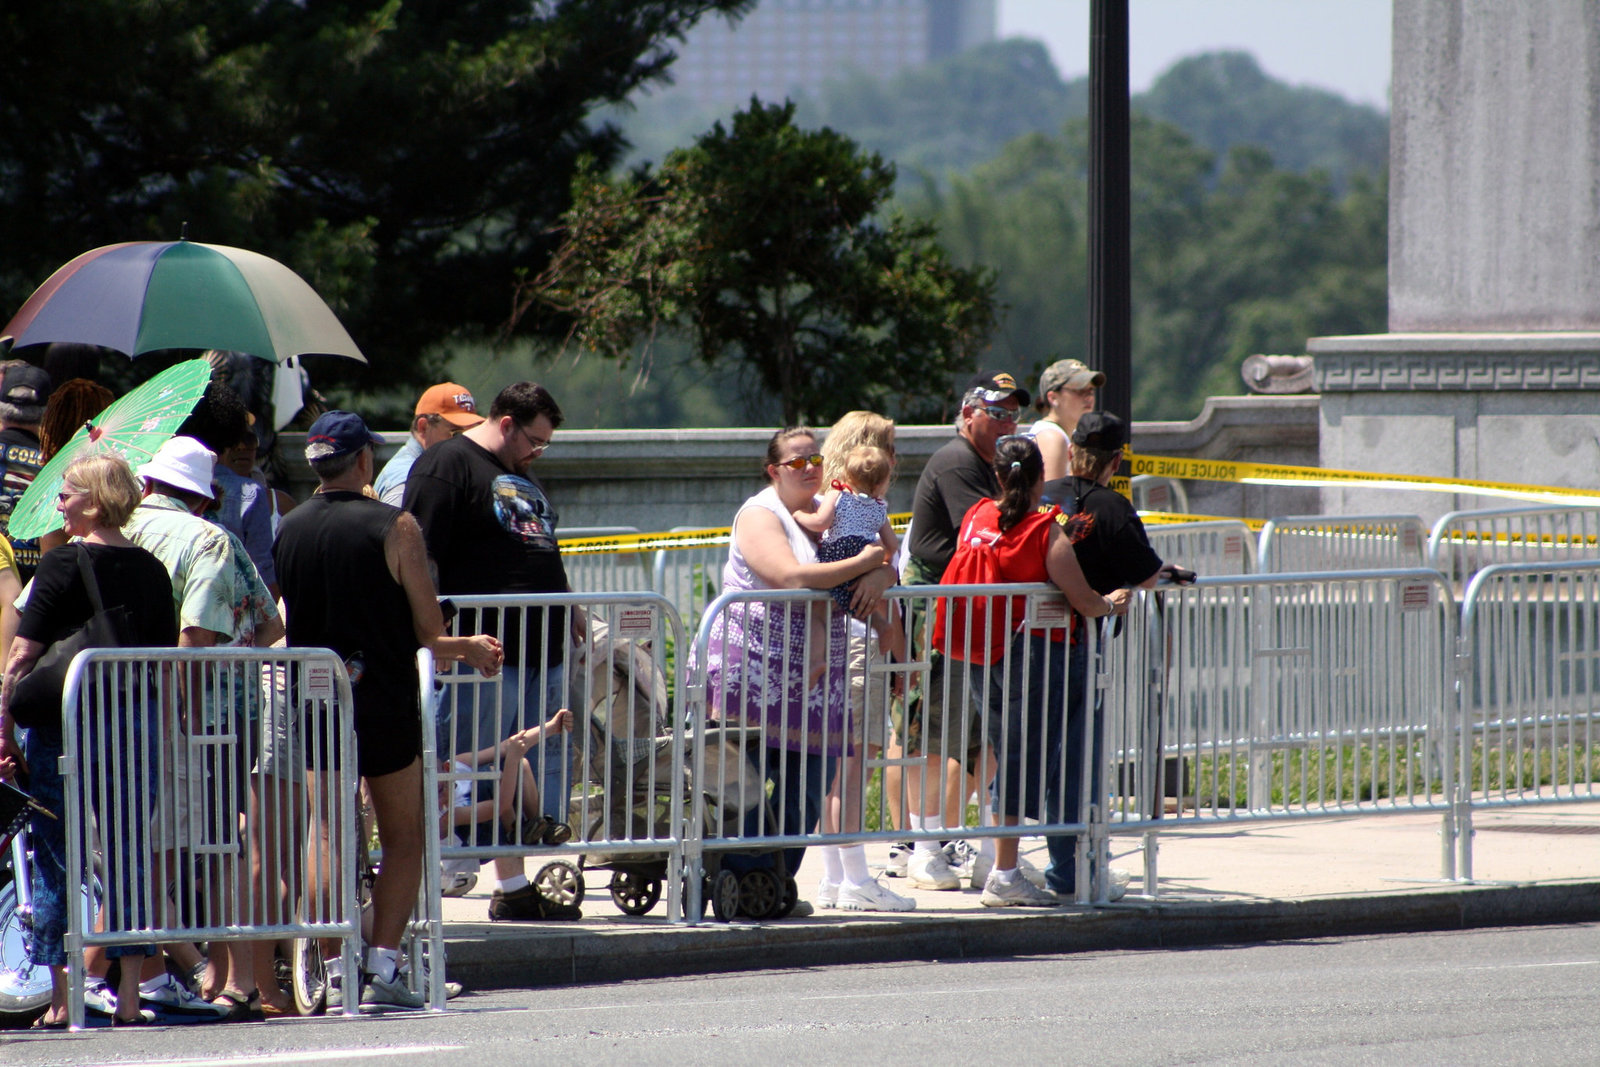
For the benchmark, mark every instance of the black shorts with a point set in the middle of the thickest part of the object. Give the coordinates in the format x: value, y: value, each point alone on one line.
x: 385, y: 743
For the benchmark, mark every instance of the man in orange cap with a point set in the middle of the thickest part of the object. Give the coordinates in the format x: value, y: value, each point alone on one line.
x: 444, y: 411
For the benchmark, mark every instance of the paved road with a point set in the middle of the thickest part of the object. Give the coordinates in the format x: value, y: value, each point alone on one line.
x: 1481, y: 996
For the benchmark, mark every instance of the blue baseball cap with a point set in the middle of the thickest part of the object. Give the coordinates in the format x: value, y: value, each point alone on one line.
x: 338, y: 433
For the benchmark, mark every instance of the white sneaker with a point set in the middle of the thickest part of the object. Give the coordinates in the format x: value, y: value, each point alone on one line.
x: 375, y: 992
x: 873, y: 896
x: 458, y: 883
x: 978, y: 870
x: 172, y: 997
x: 827, y: 894
x: 960, y: 856
x: 1030, y: 872
x: 928, y: 870
x: 98, y: 996
x: 899, y: 856
x: 1017, y: 893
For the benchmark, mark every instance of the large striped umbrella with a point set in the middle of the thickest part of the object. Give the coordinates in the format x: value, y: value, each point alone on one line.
x: 145, y: 296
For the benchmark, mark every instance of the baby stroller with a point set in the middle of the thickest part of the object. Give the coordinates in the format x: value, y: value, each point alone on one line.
x: 623, y: 747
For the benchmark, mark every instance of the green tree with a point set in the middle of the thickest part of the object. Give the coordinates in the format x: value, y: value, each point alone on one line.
x: 407, y: 158
x: 764, y: 244
x: 1256, y: 259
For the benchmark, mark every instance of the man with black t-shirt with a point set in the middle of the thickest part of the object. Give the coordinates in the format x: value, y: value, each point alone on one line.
x: 355, y: 579
x: 491, y: 530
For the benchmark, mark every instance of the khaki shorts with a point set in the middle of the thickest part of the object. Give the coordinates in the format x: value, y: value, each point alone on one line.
x: 937, y: 711
x: 869, y: 712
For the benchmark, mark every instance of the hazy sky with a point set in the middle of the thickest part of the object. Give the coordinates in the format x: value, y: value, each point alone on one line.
x: 1341, y: 45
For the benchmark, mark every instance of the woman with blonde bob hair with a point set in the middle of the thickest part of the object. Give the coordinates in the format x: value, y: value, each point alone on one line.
x: 98, y: 494
x: 846, y: 881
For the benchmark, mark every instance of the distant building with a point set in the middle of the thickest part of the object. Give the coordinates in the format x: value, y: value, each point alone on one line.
x: 788, y: 47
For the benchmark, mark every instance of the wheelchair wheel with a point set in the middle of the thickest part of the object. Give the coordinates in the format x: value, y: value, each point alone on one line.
x: 308, y: 974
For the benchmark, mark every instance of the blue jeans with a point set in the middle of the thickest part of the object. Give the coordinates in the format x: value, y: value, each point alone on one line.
x: 799, y: 781
x: 129, y: 845
x: 489, y: 711
x: 1063, y: 795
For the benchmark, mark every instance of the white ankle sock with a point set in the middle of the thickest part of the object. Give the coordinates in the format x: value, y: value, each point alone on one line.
x: 514, y: 883
x: 832, y: 868
x: 1005, y: 877
x: 931, y: 824
x: 853, y: 860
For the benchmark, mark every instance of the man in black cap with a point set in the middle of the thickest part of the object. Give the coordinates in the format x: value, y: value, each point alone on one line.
x: 355, y: 579
x: 23, y: 392
x: 956, y: 477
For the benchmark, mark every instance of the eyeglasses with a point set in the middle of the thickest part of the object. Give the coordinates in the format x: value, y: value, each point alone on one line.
x: 800, y: 463
x: 435, y: 419
x: 996, y: 412
x: 535, y: 443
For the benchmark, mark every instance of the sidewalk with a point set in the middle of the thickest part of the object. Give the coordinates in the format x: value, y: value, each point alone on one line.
x: 1253, y: 882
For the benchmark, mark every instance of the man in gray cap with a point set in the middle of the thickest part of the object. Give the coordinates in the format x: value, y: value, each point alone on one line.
x: 23, y: 392
x: 1066, y: 394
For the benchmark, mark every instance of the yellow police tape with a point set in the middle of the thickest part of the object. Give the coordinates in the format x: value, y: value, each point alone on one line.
x: 1205, y: 470
x: 1217, y: 470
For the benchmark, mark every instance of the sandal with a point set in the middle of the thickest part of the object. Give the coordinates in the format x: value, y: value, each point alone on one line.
x: 40, y: 1024
x: 242, y: 1008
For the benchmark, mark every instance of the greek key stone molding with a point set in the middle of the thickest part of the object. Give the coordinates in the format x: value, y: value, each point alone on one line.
x: 1390, y: 364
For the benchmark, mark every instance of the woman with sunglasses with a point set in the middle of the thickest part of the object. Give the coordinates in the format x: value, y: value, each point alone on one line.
x: 758, y: 650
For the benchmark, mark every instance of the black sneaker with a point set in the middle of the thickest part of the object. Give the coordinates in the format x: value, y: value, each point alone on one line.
x: 545, y: 831
x: 529, y: 905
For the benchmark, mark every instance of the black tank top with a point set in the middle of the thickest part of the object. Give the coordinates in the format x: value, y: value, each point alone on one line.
x: 338, y: 593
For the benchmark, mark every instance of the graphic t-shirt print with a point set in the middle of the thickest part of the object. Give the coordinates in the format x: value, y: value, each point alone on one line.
x: 524, y: 512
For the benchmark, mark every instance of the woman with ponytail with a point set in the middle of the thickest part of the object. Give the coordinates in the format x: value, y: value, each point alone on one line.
x: 1012, y: 539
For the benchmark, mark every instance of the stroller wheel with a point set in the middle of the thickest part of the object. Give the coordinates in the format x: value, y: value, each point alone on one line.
x: 791, y: 897
x: 560, y: 882
x: 634, y: 893
x: 725, y: 896
x: 760, y: 894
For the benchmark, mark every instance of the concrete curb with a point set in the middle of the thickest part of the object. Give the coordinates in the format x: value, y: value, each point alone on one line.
x: 485, y: 956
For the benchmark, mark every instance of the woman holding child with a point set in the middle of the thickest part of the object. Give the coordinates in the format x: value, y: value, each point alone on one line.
x: 763, y: 667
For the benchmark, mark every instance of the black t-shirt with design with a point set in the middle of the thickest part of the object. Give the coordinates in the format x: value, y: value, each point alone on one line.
x: 491, y: 531
x: 20, y: 460
x: 1113, y: 550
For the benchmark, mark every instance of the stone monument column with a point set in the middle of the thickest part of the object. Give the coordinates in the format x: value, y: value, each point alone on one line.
x: 1491, y: 368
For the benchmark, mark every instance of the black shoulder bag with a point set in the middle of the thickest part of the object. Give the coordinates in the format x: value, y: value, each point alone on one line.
x: 36, y: 700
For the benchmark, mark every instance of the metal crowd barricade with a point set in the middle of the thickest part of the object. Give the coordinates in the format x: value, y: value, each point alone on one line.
x: 756, y: 719
x: 1464, y: 542
x: 1283, y: 696
x: 1212, y: 548
x: 619, y: 777
x: 184, y: 774
x: 1153, y: 492
x: 1312, y: 543
x: 1529, y: 688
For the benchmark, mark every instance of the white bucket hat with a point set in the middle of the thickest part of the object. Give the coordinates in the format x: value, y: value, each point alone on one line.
x: 182, y: 463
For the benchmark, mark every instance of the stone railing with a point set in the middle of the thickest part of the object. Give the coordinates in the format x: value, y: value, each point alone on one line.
x: 659, y: 479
